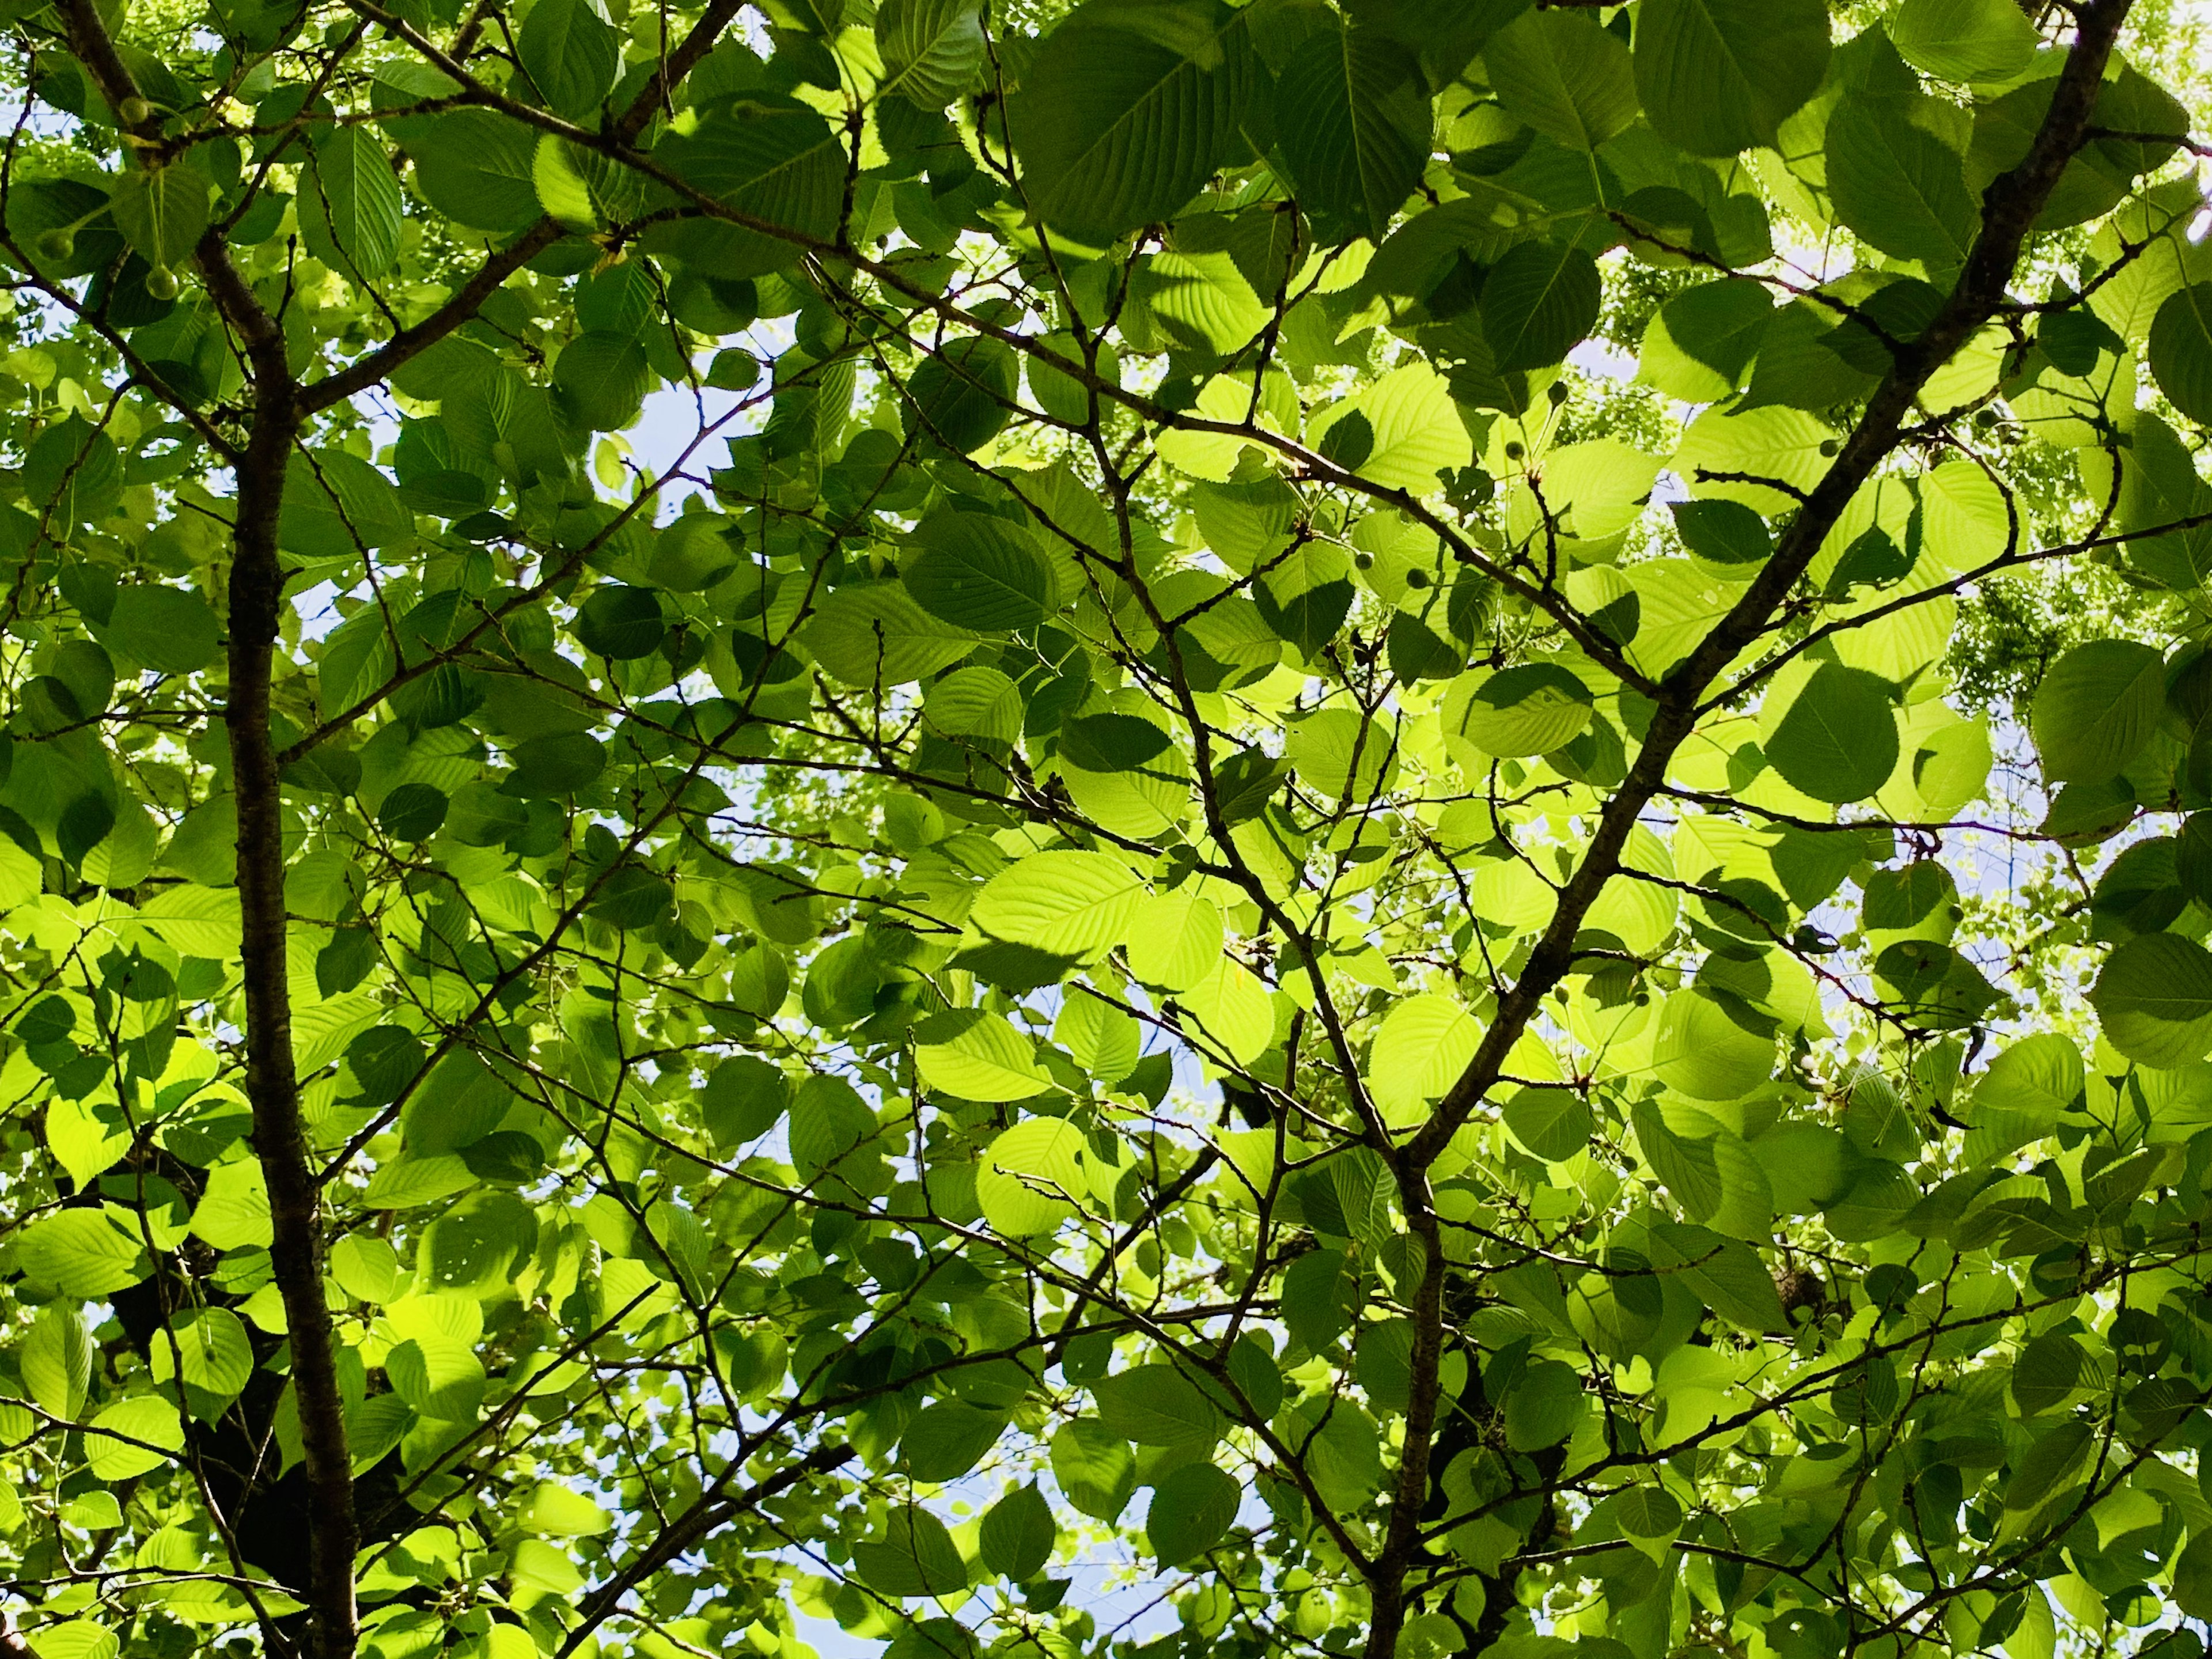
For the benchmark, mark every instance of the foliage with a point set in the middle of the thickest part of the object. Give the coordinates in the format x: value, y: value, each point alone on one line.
x: 790, y: 789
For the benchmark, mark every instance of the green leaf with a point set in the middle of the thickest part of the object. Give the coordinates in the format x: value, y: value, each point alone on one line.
x: 1031, y: 1176
x: 1529, y: 710
x: 1718, y: 77
x: 478, y: 167
x: 1965, y: 39
x: 2096, y: 709
x: 980, y: 572
x: 1125, y: 112
x: 875, y: 634
x: 1156, y: 1405
x: 2181, y: 350
x: 1839, y: 741
x: 554, y: 1511
x: 1018, y: 1535
x: 56, y: 1360
x: 1718, y: 325
x: 1544, y: 1406
x: 1648, y: 1512
x: 1554, y: 1124
x: 571, y: 55
x: 133, y: 1437
x: 438, y: 1376
x: 963, y: 396
x: 1413, y: 432
x: 413, y: 811
x: 85, y: 1253
x: 1321, y: 1295
x: 559, y: 764
x: 1898, y: 186
x: 603, y: 379
x: 1726, y: 1274
x: 335, y: 504
x: 933, y: 50
x: 987, y: 1059
x: 1353, y: 119
x: 946, y: 1440
x: 2192, y: 1577
x: 163, y: 628
x: 1724, y: 533
x: 2154, y: 997
x: 1191, y: 1510
x: 162, y: 211
x: 2021, y: 1095
x: 2046, y: 1373
x: 1071, y: 904
x: 1537, y: 303
x: 620, y: 622
x: 73, y: 470
x: 1565, y: 75
x: 349, y: 204
x: 472, y: 1248
x: 212, y: 1354
x: 1095, y: 1467
x: 233, y: 1213
x: 778, y: 164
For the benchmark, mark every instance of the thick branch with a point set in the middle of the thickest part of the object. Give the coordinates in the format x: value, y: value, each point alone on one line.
x: 2010, y: 208
x: 409, y: 343
x: 256, y: 585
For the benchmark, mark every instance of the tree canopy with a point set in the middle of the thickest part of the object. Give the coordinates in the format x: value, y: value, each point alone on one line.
x: 1156, y: 829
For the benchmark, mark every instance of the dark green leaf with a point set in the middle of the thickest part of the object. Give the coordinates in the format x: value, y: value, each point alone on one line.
x: 979, y: 572
x: 2181, y: 350
x: 915, y: 1556
x: 1838, y: 740
x: 1898, y: 186
x: 1126, y: 110
x: 1191, y: 1509
x: 571, y: 54
x: 1718, y: 77
x: 1017, y: 1534
x: 1352, y: 118
x: 1540, y: 298
x: 933, y: 50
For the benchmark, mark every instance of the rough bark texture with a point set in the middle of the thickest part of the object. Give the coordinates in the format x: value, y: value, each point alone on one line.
x: 257, y: 583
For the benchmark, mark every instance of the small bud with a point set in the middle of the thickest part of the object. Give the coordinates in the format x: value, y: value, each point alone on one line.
x: 1831, y: 446
x: 161, y: 282
x: 1514, y: 452
x: 1557, y: 391
x: 134, y: 111
x: 1417, y: 579
x: 1363, y: 561
x: 57, y: 244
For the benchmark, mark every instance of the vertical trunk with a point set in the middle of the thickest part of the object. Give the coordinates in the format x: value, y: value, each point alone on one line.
x: 257, y: 585
x: 257, y: 581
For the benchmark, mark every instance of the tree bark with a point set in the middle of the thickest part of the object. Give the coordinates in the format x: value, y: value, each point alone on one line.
x: 280, y: 1141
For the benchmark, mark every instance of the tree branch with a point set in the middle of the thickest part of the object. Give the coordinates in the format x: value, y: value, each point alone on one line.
x: 280, y: 1142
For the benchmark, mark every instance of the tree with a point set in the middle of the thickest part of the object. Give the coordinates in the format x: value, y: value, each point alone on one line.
x: 1131, y: 841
